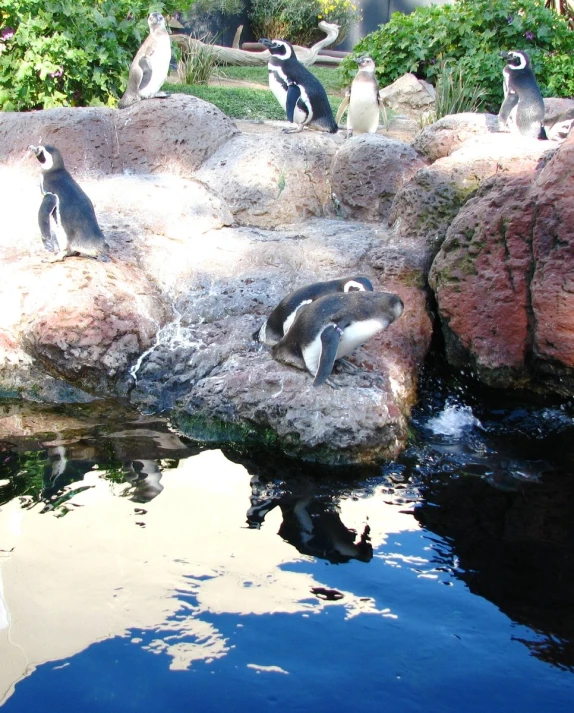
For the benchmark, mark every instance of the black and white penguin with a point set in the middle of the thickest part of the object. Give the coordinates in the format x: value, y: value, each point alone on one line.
x: 150, y: 66
x: 298, y: 91
x: 362, y: 101
x: 280, y: 320
x: 332, y: 327
x: 67, y: 219
x: 523, y: 107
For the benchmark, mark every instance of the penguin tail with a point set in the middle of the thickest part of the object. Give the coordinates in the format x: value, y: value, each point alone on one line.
x: 543, y: 136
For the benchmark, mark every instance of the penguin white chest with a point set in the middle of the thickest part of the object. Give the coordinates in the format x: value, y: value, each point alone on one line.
x: 363, y: 113
x: 358, y: 333
x: 159, y: 60
x: 277, y: 84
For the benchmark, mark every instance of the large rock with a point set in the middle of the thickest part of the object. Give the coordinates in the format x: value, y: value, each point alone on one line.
x: 502, y: 279
x: 172, y: 135
x: 367, y: 172
x: 449, y: 133
x: 273, y: 179
x: 426, y: 206
x: 409, y: 96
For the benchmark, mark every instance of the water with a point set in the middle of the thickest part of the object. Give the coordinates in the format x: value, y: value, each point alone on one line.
x: 141, y: 572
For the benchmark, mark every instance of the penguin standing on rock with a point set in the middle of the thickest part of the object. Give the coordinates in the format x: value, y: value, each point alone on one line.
x: 298, y: 91
x: 150, y: 66
x: 523, y: 107
x: 280, y: 320
x: 67, y: 219
x: 332, y: 327
x: 362, y: 101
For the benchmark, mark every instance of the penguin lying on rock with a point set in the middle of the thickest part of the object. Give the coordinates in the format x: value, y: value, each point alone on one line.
x: 150, y: 66
x: 298, y: 91
x: 362, y: 101
x: 332, y: 327
x: 67, y: 219
x: 523, y: 107
x: 282, y: 317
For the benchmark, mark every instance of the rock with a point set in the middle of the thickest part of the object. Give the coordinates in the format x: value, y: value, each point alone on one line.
x: 449, y: 133
x: 425, y: 206
x: 502, y: 279
x: 221, y: 385
x: 409, y: 96
x: 173, y: 135
x: 273, y: 179
x: 558, y: 117
x: 367, y: 172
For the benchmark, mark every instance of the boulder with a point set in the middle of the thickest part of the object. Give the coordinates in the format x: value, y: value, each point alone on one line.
x: 502, y: 279
x: 449, y: 133
x: 426, y: 206
x: 173, y: 135
x: 409, y: 96
x: 273, y: 178
x: 366, y: 174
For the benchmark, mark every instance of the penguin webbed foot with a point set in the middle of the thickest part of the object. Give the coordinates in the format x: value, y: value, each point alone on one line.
x: 348, y: 366
x: 58, y: 257
x: 295, y: 130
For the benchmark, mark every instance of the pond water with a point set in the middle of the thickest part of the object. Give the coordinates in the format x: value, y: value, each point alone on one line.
x: 142, y: 572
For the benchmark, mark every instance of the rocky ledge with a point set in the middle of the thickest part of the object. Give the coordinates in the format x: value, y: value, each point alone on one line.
x: 210, y: 224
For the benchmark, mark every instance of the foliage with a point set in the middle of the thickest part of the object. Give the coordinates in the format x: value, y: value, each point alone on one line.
x: 472, y: 33
x: 454, y: 94
x: 297, y: 20
x: 197, y: 63
x: 69, y: 52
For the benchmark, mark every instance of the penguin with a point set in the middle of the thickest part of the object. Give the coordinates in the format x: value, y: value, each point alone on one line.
x: 362, y: 101
x: 298, y: 91
x: 523, y: 107
x: 67, y: 219
x: 332, y: 327
x: 150, y: 66
x: 282, y: 317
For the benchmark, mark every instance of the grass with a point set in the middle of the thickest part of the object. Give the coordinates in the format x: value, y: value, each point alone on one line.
x: 254, y: 103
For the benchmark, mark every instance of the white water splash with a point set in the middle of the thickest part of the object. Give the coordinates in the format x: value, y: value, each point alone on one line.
x: 453, y: 420
x: 170, y: 336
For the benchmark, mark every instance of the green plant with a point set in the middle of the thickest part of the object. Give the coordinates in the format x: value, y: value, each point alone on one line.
x: 69, y: 52
x: 297, y: 20
x: 454, y: 94
x: 197, y: 63
x: 471, y: 33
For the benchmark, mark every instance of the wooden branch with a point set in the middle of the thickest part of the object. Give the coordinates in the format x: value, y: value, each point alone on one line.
x: 234, y: 55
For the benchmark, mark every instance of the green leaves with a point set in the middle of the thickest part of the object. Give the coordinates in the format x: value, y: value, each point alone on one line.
x: 473, y: 32
x: 70, y: 52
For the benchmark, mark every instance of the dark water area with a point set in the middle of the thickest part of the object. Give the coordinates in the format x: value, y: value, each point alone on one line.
x: 140, y: 571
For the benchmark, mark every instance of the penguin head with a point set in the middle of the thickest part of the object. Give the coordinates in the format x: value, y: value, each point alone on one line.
x: 358, y: 284
x: 516, y: 59
x: 279, y: 48
x: 155, y: 20
x: 366, y: 64
x: 48, y: 156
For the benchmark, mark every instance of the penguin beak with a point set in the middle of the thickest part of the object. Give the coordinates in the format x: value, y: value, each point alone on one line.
x: 34, y: 149
x: 265, y: 42
x: 504, y: 55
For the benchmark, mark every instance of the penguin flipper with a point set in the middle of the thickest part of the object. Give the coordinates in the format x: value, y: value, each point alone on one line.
x: 330, y: 338
x: 47, y: 208
x: 510, y: 101
x: 147, y: 71
x: 293, y: 94
x: 343, y: 107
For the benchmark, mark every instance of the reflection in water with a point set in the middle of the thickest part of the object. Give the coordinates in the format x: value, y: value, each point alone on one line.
x: 162, y: 542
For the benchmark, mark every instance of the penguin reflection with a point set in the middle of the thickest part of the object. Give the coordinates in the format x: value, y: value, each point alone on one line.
x: 313, y: 526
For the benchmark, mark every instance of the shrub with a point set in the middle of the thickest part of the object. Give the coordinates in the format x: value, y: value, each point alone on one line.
x: 472, y: 33
x: 68, y: 52
x: 297, y: 20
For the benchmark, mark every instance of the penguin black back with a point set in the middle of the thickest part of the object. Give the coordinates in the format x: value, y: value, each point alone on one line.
x: 66, y: 217
x: 523, y: 105
x: 298, y: 91
x: 280, y: 320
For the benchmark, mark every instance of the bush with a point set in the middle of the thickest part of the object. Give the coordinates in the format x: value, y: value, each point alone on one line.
x: 68, y: 52
x: 472, y: 33
x: 297, y: 20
